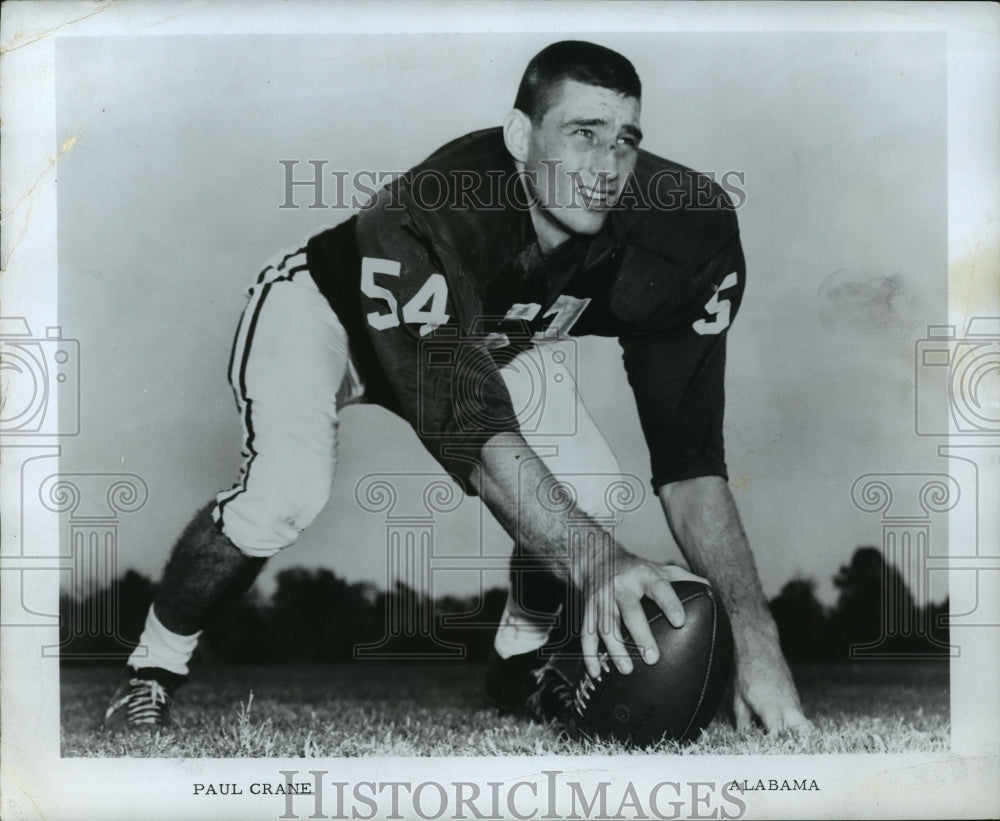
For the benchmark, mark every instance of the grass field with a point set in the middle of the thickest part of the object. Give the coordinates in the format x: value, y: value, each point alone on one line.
x: 429, y: 710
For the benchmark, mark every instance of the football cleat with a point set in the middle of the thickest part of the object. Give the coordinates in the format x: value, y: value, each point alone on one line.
x: 533, y: 686
x: 144, y: 701
x: 509, y: 681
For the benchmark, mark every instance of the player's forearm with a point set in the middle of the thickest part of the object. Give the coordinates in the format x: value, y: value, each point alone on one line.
x: 511, y: 483
x: 703, y: 518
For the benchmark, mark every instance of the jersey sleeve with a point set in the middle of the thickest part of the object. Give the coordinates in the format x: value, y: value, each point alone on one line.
x: 420, y: 316
x: 675, y: 364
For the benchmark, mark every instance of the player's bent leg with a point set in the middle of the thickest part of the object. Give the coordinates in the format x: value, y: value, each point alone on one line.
x: 558, y: 426
x: 290, y: 371
x: 556, y: 423
x: 205, y: 572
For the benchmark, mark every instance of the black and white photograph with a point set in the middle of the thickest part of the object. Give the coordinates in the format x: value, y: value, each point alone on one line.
x: 499, y: 410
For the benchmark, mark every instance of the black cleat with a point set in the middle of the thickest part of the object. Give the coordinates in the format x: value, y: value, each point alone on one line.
x: 534, y: 686
x: 144, y: 701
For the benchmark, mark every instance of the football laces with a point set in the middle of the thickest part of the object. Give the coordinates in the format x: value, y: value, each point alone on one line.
x: 587, y: 684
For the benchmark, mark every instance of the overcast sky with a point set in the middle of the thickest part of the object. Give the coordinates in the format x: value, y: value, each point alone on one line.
x: 169, y: 205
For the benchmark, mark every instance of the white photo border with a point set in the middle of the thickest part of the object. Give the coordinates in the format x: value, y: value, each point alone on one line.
x: 37, y: 782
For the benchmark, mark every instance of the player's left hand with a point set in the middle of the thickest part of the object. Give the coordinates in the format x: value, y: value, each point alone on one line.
x: 613, y: 593
x: 764, y: 687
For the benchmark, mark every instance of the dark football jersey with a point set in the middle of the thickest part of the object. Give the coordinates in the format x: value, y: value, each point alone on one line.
x: 435, y: 299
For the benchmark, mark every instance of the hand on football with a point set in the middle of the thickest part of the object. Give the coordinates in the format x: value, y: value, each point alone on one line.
x: 612, y: 594
x: 764, y: 687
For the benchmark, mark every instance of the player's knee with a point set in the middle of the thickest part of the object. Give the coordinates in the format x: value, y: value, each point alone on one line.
x: 263, y: 528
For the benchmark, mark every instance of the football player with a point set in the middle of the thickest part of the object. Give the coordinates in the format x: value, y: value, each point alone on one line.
x: 479, y: 263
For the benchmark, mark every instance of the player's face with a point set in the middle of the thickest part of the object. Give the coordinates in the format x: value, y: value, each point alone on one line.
x: 578, y: 158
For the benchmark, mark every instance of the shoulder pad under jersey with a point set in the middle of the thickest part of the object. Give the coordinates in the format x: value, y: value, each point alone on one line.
x: 465, y: 202
x: 672, y: 222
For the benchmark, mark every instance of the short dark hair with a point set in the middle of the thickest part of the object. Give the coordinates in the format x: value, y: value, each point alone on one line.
x: 573, y: 60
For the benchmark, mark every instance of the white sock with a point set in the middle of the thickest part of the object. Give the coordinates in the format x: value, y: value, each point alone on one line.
x: 520, y: 632
x: 158, y: 647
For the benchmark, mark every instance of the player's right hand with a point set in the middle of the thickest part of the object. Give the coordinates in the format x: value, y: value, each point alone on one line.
x: 612, y: 592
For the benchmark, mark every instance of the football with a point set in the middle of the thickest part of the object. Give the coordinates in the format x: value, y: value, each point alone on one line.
x: 674, y: 699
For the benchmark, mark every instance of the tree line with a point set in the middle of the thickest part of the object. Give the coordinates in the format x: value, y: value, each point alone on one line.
x: 314, y: 616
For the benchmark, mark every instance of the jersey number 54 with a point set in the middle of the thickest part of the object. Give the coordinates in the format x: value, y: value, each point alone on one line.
x: 424, y: 308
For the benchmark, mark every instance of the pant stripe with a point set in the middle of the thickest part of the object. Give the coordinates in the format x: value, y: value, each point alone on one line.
x: 243, y: 347
x: 244, y: 404
x: 263, y: 276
